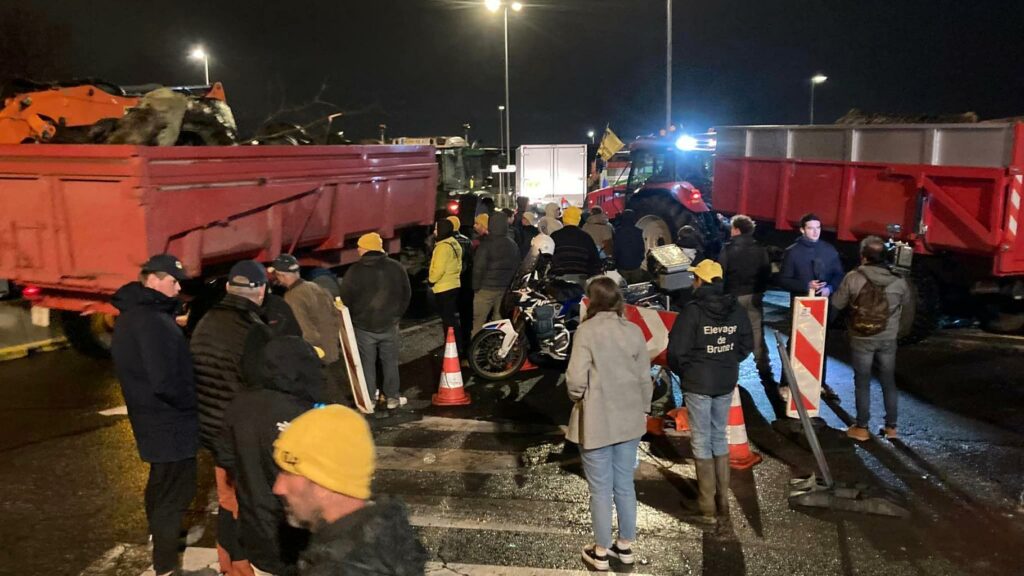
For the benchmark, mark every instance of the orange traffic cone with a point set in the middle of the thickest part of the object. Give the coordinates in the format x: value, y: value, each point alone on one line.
x: 449, y: 390
x: 740, y: 455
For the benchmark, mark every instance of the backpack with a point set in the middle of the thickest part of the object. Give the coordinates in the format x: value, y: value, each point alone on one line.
x: 869, y: 309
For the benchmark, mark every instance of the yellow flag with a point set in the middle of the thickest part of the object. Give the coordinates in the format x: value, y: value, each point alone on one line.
x: 610, y: 144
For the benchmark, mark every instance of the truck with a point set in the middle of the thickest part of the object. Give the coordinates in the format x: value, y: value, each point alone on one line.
x: 77, y: 220
x: 552, y: 173
x: 949, y: 192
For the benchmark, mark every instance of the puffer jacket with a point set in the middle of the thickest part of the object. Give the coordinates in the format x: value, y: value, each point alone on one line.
x: 550, y: 223
x: 217, y: 347
x: 376, y: 289
x: 375, y: 540
x: 575, y: 253
x: 446, y: 266
x: 601, y: 231
x: 497, y: 259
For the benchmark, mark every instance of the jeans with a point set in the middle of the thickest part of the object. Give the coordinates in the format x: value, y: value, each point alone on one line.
x: 486, y: 302
x: 169, y: 491
x: 709, y: 415
x: 864, y: 353
x: 609, y: 472
x: 384, y: 344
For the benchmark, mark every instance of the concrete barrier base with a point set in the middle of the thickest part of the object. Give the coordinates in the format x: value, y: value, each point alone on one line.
x: 19, y: 337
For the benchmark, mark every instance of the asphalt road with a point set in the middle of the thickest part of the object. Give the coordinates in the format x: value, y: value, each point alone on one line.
x: 494, y: 489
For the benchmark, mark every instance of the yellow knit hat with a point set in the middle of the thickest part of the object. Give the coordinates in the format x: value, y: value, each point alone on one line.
x: 371, y: 241
x: 330, y: 446
x: 456, y: 223
x: 571, y: 216
x: 482, y: 219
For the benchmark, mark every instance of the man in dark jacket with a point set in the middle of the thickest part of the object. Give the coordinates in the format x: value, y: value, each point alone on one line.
x: 253, y: 420
x: 705, y: 347
x: 747, y: 269
x: 874, y: 349
x: 325, y: 485
x: 154, y: 367
x: 494, y: 265
x: 575, y: 251
x: 629, y: 248
x: 217, y: 346
x: 812, y: 265
x: 527, y: 232
x: 376, y: 289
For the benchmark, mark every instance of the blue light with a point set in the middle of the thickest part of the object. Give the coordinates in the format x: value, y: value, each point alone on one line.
x: 686, y: 143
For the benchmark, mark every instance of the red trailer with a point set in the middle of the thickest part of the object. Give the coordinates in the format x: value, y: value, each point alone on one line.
x: 76, y: 221
x: 954, y: 190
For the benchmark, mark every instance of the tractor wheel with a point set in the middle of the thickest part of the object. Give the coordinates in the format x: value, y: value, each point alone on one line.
x: 661, y: 205
x: 91, y: 335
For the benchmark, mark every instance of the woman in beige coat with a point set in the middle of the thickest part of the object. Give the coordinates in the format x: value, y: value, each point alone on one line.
x: 609, y: 379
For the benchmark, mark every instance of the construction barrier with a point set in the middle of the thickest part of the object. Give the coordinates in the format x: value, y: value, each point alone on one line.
x: 807, y: 352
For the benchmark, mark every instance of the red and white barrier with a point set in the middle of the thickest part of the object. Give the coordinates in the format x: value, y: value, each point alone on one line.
x: 807, y: 352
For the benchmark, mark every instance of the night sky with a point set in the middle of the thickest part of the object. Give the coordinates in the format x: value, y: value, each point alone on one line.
x: 424, y: 67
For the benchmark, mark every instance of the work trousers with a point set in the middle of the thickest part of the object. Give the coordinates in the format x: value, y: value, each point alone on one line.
x: 609, y: 472
x: 486, y: 302
x: 385, y: 346
x: 448, y: 309
x: 864, y: 353
x: 709, y: 416
x: 169, y: 491
x: 230, y: 554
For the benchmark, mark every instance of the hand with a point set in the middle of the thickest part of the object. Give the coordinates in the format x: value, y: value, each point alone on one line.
x: 816, y: 285
x: 825, y: 291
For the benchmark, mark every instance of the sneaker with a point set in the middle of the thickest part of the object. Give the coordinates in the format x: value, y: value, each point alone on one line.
x: 591, y: 558
x: 395, y: 403
x: 858, y: 433
x: 624, y: 555
x: 889, y: 432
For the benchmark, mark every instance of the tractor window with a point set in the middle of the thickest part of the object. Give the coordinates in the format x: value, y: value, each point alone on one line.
x: 647, y: 165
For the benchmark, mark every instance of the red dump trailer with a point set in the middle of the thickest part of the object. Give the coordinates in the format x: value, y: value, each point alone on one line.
x: 77, y: 221
x: 954, y: 190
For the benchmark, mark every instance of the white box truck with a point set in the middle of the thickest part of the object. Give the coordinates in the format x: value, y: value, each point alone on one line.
x: 552, y: 173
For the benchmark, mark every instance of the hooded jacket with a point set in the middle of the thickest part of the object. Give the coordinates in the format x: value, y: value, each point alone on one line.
x: 446, y: 267
x: 497, y: 259
x: 896, y: 292
x: 629, y: 246
x: 745, y: 266
x: 550, y: 223
x: 376, y: 289
x: 217, y: 347
x: 601, y: 231
x: 375, y: 540
x: 575, y: 253
x: 152, y: 362
x: 805, y: 261
x: 709, y: 340
x: 526, y: 236
x: 252, y: 422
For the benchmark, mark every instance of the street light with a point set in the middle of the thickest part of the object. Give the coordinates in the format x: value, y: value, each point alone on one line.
x: 199, y: 54
x: 590, y: 134
x: 815, y: 80
x: 494, y: 6
x: 501, y: 143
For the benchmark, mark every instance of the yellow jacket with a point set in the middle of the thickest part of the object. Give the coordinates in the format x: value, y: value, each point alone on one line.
x: 445, y: 265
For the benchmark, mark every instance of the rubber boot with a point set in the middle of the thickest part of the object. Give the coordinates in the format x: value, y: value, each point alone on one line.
x: 722, y: 485
x: 706, y: 489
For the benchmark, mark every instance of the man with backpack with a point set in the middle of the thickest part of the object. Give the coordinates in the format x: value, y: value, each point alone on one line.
x: 875, y: 298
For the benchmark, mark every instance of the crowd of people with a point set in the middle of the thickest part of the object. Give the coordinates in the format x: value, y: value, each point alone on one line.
x: 261, y: 382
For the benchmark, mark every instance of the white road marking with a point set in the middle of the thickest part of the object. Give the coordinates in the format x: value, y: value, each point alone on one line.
x: 117, y: 411
x: 439, y: 569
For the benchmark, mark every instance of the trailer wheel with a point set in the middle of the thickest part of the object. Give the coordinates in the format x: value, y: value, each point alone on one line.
x: 91, y: 335
x: 922, y: 318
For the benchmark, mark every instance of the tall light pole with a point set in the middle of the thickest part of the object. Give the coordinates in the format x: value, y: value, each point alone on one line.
x: 494, y: 6
x: 501, y: 144
x: 668, y: 64
x: 199, y: 54
x: 590, y: 134
x: 815, y: 80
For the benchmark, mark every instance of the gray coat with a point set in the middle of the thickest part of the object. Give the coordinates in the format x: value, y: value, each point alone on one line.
x: 896, y: 291
x: 609, y: 379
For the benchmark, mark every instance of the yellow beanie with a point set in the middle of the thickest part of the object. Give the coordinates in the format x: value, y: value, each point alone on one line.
x: 456, y: 223
x: 330, y: 446
x: 371, y: 241
x: 482, y: 219
x: 572, y: 216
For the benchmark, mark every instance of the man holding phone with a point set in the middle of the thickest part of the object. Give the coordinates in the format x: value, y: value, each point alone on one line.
x: 812, y: 265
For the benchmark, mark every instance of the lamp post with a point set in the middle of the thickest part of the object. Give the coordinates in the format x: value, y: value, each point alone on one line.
x: 199, y: 54
x: 494, y: 6
x: 668, y: 64
x: 501, y: 144
x: 590, y: 134
x: 815, y: 80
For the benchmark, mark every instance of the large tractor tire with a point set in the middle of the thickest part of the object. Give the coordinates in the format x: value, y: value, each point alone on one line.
x: 661, y: 205
x: 91, y: 335
x: 921, y: 318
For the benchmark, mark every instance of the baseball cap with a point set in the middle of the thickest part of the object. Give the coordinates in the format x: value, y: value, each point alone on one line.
x: 708, y: 270
x: 247, y: 273
x: 330, y: 446
x: 166, y: 263
x: 285, y: 263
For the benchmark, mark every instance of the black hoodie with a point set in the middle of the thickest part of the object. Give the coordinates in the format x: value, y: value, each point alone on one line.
x: 709, y: 340
x: 292, y: 381
x: 153, y: 364
x: 376, y: 290
x: 497, y: 258
x: 629, y: 242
